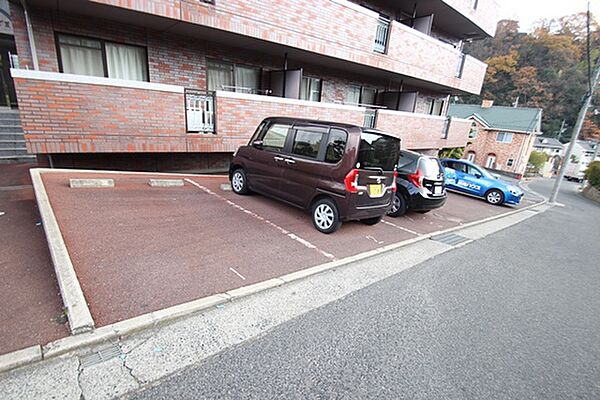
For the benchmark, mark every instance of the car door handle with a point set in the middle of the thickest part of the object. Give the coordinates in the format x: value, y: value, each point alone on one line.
x: 277, y: 158
x: 290, y: 161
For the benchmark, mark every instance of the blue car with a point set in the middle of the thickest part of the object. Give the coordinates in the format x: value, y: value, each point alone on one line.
x: 466, y: 177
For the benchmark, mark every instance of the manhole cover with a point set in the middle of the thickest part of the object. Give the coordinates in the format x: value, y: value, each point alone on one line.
x: 451, y: 239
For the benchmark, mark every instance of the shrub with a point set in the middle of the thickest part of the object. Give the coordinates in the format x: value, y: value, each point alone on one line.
x: 538, y: 159
x: 454, y: 152
x: 592, y: 174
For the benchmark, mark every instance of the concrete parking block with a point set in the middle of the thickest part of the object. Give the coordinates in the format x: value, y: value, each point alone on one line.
x: 20, y: 357
x: 165, y: 182
x: 91, y: 183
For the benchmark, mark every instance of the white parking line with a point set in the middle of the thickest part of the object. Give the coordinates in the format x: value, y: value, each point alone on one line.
x: 266, y: 221
x: 373, y: 239
x: 237, y: 273
x: 402, y: 228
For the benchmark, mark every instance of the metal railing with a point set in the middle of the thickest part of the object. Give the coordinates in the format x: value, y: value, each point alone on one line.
x: 370, y: 120
x: 381, y: 35
x: 200, y: 111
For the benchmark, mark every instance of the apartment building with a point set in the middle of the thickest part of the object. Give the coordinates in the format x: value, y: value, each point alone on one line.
x: 501, y: 138
x: 180, y: 84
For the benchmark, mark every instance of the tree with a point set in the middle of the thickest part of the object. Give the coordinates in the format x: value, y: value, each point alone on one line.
x: 546, y: 69
x: 538, y: 159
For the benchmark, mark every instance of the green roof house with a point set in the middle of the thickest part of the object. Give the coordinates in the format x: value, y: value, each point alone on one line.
x: 501, y: 138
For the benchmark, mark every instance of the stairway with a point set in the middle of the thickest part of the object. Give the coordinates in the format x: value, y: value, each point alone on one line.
x: 12, y: 141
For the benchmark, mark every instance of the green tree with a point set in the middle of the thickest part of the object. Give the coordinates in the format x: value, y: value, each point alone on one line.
x: 538, y: 159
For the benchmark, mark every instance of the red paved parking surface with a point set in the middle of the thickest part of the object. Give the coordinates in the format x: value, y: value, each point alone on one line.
x: 138, y: 249
x: 29, y: 295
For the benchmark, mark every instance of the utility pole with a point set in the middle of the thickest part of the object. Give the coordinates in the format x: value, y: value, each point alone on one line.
x: 587, y: 101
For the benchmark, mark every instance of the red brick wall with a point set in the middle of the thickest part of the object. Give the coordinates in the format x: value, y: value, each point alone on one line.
x: 423, y: 132
x: 335, y: 29
x: 237, y: 119
x: 485, y: 144
x: 69, y: 117
x: 65, y: 117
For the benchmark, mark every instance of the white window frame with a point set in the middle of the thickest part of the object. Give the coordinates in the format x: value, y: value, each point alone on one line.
x: 471, y: 156
x: 473, y: 131
x: 489, y: 164
x: 504, y: 137
x: 510, y: 162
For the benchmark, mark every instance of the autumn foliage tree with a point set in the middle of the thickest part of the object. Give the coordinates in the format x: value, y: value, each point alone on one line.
x: 546, y: 68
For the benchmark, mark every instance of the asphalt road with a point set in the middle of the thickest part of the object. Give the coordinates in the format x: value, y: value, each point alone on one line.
x: 515, y: 315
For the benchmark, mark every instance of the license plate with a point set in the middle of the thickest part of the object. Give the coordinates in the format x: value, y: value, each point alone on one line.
x: 437, y: 190
x: 375, y: 190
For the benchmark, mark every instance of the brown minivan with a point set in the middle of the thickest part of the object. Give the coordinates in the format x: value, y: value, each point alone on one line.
x: 339, y: 172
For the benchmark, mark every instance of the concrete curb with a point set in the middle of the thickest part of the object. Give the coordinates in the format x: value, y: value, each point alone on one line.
x: 153, y: 319
x: 78, y: 313
x: 21, y: 357
x: 100, y: 171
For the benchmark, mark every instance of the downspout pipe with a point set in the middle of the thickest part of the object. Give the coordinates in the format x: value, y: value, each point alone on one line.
x: 30, y: 37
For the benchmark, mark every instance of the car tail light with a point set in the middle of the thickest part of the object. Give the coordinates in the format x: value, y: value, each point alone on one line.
x: 394, y: 187
x: 351, y: 181
x: 416, y: 178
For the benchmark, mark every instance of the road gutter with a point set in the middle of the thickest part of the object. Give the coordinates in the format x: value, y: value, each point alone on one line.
x: 127, y: 327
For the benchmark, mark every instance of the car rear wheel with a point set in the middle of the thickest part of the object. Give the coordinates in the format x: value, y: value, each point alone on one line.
x: 371, y: 221
x: 494, y: 197
x: 325, y: 216
x: 398, y: 206
x: 239, y: 182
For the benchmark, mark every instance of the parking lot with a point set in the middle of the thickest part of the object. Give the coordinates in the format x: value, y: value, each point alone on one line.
x: 138, y: 249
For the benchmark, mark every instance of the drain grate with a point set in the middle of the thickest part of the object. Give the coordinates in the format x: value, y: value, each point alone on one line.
x: 104, y: 354
x: 451, y: 239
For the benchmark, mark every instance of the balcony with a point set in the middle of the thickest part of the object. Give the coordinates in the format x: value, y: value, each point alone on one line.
x: 337, y: 34
x: 64, y: 113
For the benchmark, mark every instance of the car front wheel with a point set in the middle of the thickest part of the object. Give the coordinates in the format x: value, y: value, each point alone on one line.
x: 239, y: 182
x: 325, y: 216
x: 494, y: 197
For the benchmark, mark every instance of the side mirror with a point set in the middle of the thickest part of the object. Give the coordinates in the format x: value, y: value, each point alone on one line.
x: 257, y: 144
x: 477, y: 175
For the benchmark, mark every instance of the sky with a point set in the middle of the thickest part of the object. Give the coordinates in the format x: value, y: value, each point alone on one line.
x: 527, y: 12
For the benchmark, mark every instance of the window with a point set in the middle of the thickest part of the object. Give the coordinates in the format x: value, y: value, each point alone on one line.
x: 457, y: 166
x: 368, y: 95
x: 360, y: 95
x: 275, y: 136
x: 504, y: 137
x: 378, y: 151
x: 407, y: 162
x: 473, y: 131
x: 336, y: 144
x: 435, y: 106
x: 307, y: 142
x: 491, y: 161
x: 310, y: 89
x: 94, y: 57
x: 471, y: 156
x: 510, y: 162
x: 232, y: 77
x: 473, y: 171
x: 353, y: 95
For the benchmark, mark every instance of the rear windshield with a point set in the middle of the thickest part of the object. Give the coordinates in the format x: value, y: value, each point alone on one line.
x: 378, y: 151
x: 430, y: 167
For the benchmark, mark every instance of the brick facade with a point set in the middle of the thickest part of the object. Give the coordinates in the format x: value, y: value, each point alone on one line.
x: 62, y: 117
x: 485, y: 144
x: 422, y: 133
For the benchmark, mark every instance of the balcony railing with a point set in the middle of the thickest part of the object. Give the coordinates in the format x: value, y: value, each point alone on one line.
x: 199, y: 111
x: 370, y: 118
x: 381, y: 35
